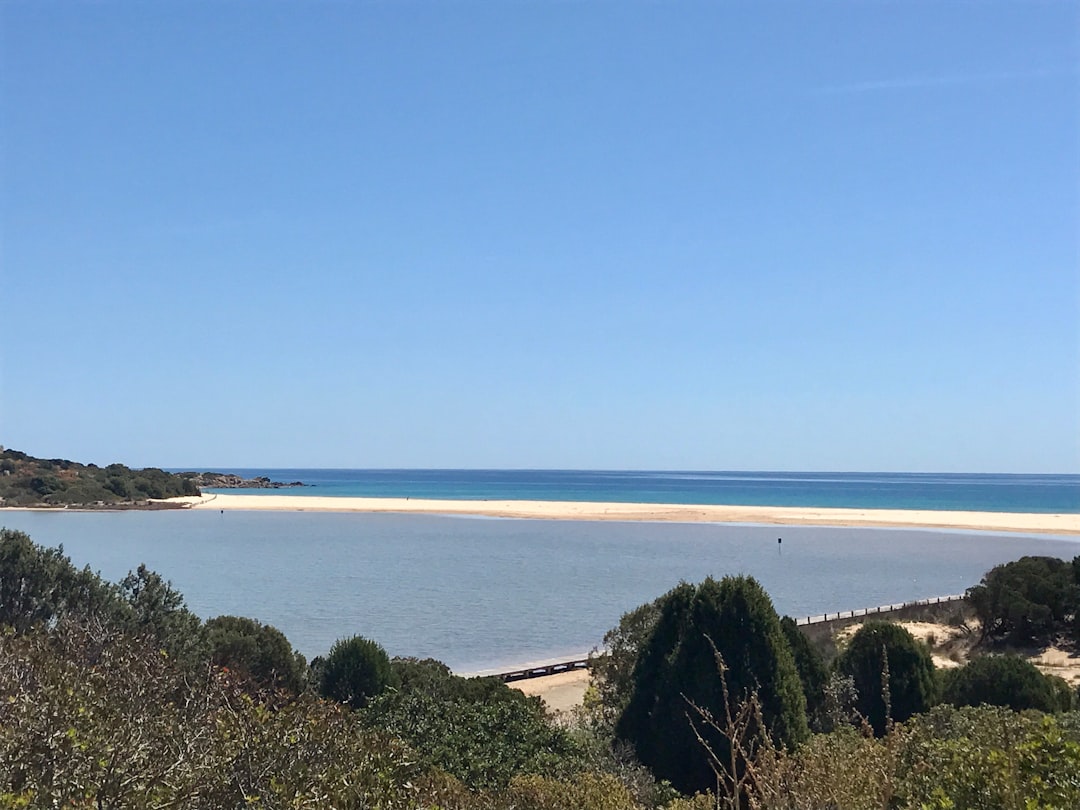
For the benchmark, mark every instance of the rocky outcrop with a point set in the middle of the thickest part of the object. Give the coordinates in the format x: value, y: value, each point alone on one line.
x: 215, y: 480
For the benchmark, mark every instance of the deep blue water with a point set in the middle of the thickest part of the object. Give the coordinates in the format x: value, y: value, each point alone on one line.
x: 487, y: 593
x: 954, y: 492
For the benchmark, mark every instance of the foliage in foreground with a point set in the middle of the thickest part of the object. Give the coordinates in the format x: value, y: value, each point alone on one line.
x: 478, y: 729
x: 92, y: 718
x: 731, y: 623
x: 947, y: 759
x: 893, y: 673
x: 40, y: 586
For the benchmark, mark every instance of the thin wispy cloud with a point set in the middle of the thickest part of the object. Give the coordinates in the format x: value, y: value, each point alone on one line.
x: 955, y: 80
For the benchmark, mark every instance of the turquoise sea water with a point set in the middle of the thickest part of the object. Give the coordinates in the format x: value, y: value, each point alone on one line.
x: 484, y: 593
x: 983, y: 493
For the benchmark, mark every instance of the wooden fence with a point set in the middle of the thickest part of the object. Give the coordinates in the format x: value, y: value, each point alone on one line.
x: 874, y: 611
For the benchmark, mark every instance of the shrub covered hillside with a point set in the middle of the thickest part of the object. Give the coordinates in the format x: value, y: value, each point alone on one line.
x: 29, y: 481
x: 116, y: 695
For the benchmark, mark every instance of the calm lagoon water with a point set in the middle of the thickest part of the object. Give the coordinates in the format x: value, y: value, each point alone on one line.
x: 482, y: 593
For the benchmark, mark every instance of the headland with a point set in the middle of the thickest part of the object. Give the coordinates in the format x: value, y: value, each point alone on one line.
x: 1024, y: 522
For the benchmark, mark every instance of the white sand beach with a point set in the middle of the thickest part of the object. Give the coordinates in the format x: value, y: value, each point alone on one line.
x: 1032, y: 523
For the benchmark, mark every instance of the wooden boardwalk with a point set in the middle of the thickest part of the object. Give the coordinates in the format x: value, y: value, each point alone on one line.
x: 543, y: 670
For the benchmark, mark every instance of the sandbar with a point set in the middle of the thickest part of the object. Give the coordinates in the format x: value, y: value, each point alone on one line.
x: 1025, y: 522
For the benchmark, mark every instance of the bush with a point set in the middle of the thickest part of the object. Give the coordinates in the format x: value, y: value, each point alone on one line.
x: 40, y: 585
x: 477, y: 729
x: 612, y: 670
x: 586, y: 791
x: 355, y: 670
x: 731, y: 624
x: 813, y: 674
x: 257, y: 651
x: 1028, y: 600
x: 154, y: 607
x: 878, y: 647
x: 961, y: 759
x: 92, y: 718
x: 1003, y: 680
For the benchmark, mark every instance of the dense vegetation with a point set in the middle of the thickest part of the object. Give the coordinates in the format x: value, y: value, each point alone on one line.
x: 1030, y: 600
x: 728, y: 625
x: 116, y: 695
x: 893, y: 674
x: 29, y: 481
x: 1006, y: 680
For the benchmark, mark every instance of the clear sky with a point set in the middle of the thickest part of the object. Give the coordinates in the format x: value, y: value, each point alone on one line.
x: 541, y: 234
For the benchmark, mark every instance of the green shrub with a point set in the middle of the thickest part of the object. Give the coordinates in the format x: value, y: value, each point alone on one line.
x: 732, y: 624
x: 1028, y: 600
x: 813, y: 674
x: 613, y: 669
x: 258, y: 651
x: 1003, y: 680
x: 40, y: 585
x: 880, y: 647
x: 93, y: 718
x: 946, y: 759
x: 477, y: 729
x: 355, y: 670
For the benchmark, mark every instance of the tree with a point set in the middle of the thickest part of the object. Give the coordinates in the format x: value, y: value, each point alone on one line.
x: 731, y: 625
x: 1003, y: 680
x: 355, y: 670
x: 40, y: 585
x: 258, y: 651
x: 893, y: 674
x: 612, y: 670
x: 157, y: 609
x: 813, y: 674
x: 1026, y: 600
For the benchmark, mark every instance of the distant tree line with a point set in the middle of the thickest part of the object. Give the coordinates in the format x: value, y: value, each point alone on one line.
x: 29, y: 481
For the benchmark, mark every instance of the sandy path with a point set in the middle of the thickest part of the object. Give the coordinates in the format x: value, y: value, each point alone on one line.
x: 1060, y: 524
x: 560, y: 692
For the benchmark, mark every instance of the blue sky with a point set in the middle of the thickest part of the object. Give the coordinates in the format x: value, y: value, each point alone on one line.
x: 664, y: 235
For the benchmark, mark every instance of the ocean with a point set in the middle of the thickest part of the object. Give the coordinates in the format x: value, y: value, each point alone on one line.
x: 952, y: 492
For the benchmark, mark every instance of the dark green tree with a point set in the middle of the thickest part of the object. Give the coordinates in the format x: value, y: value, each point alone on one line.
x: 157, y: 610
x: 40, y: 585
x: 1028, y: 600
x: 878, y: 648
x: 354, y: 671
x: 612, y: 670
x: 259, y: 651
x: 730, y: 624
x: 1004, y: 680
x: 813, y: 674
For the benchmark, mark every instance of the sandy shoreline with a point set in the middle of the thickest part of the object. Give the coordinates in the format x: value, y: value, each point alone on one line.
x: 1059, y: 524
